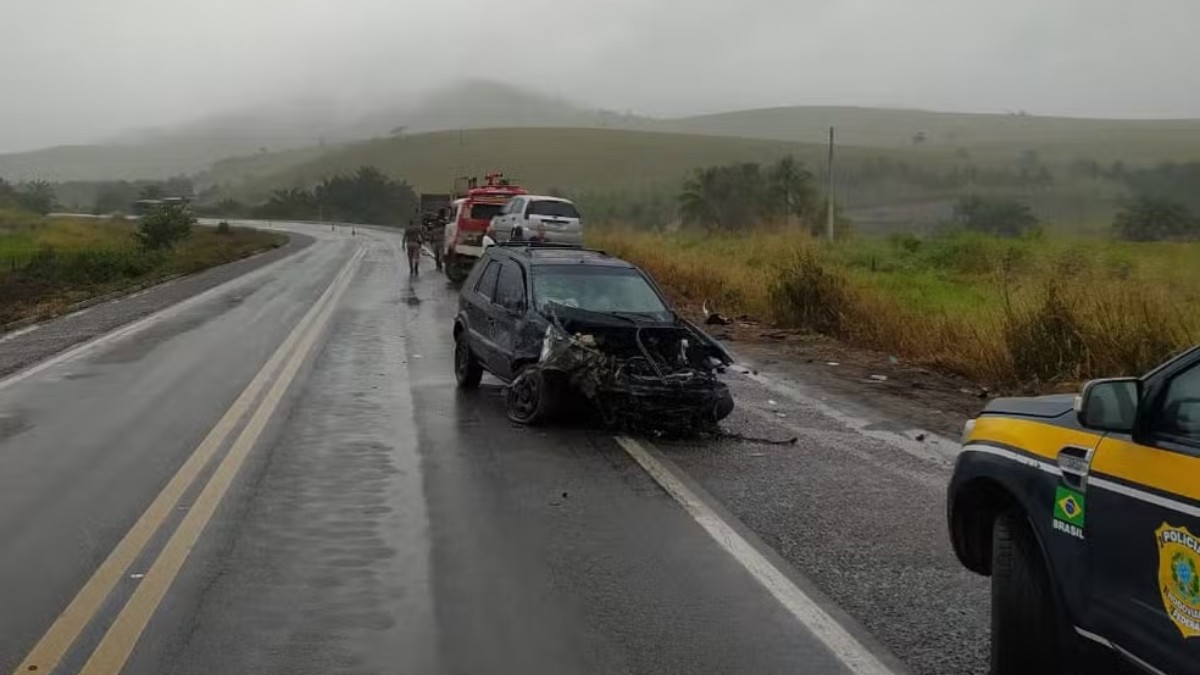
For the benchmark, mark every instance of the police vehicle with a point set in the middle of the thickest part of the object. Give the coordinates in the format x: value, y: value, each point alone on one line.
x: 1085, y: 512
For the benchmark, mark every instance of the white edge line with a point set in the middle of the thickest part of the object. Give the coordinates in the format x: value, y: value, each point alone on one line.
x: 844, y: 646
x: 135, y: 327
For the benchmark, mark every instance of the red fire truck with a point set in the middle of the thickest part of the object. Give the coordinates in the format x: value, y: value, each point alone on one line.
x: 470, y: 214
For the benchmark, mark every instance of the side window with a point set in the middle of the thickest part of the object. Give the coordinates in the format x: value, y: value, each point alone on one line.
x: 487, y: 281
x: 510, y: 290
x: 1178, y: 412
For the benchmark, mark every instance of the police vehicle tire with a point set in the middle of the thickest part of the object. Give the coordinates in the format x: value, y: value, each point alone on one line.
x: 1025, y: 630
x: 467, y: 370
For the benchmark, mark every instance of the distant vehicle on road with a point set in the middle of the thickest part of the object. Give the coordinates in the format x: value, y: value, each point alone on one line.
x: 550, y: 219
x: 1085, y: 511
x: 559, y: 321
x: 469, y: 219
x: 143, y: 206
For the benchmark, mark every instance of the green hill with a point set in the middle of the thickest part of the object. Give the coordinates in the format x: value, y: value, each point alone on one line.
x: 289, y: 131
x: 542, y: 159
x: 986, y: 137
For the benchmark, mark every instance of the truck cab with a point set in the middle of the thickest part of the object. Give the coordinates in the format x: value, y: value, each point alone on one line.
x: 469, y: 218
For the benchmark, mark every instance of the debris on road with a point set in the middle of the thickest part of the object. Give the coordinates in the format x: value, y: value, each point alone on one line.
x: 714, y: 318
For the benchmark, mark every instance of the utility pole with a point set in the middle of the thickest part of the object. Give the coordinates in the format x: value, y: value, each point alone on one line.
x: 829, y: 191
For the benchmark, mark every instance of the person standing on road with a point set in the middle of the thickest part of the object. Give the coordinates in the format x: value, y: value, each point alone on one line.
x: 414, y: 236
x: 436, y: 233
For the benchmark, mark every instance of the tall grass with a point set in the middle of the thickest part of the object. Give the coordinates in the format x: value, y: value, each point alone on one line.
x: 1018, y: 314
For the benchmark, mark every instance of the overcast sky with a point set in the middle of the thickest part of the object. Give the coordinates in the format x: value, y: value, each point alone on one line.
x: 78, y: 70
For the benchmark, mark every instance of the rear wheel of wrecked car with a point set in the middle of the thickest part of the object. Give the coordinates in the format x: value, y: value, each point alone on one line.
x: 530, y: 397
x: 1025, y: 627
x: 467, y: 370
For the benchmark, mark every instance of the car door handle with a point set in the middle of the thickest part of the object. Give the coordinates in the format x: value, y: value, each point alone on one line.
x: 1075, y: 462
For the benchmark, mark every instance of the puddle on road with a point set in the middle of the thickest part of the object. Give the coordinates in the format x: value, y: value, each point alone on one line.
x: 13, y: 424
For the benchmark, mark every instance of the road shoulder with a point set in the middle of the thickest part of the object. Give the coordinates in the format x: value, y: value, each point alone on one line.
x: 27, y: 346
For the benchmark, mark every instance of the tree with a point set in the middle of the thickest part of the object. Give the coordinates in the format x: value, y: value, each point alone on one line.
x: 152, y: 191
x: 179, y: 186
x: 729, y: 197
x: 36, y: 196
x: 790, y: 189
x: 8, y: 194
x: 996, y: 216
x: 1149, y: 218
x: 165, y: 225
x: 115, y: 197
x: 741, y: 195
x: 229, y: 207
x: 1168, y: 181
x: 366, y: 196
x: 289, y: 203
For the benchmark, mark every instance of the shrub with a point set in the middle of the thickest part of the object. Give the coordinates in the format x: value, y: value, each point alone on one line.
x: 995, y: 216
x: 165, y: 226
x: 223, y: 227
x: 1154, y: 219
x: 807, y: 294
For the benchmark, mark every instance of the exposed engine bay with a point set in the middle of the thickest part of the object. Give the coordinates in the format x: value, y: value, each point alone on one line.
x: 638, y: 373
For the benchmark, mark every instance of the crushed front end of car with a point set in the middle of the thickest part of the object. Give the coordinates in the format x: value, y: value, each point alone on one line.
x: 639, y: 374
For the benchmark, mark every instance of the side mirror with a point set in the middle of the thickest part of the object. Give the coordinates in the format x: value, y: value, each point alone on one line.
x: 1109, y: 405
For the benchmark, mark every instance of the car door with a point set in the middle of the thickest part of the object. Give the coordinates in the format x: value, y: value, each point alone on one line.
x: 1143, y: 527
x: 479, y: 320
x: 507, y: 313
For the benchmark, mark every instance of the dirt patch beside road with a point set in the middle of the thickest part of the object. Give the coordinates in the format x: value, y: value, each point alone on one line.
x: 894, y: 387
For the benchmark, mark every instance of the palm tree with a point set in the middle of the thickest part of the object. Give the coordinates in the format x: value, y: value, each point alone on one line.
x: 790, y: 189
x: 696, y: 201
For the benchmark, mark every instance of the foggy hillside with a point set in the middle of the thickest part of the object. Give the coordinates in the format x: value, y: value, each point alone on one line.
x: 196, y: 147
x: 242, y: 145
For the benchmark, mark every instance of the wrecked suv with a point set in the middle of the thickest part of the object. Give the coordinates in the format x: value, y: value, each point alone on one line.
x: 565, y: 325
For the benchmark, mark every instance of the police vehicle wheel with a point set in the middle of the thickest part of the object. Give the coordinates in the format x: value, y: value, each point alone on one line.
x: 1025, y: 630
x: 467, y: 371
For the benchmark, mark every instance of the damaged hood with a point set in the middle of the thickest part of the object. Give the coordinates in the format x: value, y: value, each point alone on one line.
x: 576, y: 321
x: 639, y: 370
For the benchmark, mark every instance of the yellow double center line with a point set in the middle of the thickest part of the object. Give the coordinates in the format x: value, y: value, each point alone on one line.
x: 114, y: 649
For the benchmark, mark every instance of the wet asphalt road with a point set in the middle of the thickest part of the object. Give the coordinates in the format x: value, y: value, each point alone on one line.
x: 383, y: 522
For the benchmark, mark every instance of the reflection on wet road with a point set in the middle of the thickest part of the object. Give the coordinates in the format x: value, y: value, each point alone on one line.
x: 284, y: 478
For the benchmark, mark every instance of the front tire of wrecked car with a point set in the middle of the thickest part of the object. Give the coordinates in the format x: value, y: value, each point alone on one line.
x: 467, y: 370
x: 724, y: 403
x: 531, y: 397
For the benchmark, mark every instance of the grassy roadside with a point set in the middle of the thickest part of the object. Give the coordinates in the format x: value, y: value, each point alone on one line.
x: 49, y: 264
x: 1013, y: 314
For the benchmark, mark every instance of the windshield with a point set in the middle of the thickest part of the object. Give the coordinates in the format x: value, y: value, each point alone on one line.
x: 548, y: 207
x: 597, y: 289
x: 485, y: 211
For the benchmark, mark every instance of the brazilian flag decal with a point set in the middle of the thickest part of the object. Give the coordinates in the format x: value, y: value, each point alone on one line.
x: 1069, y: 506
